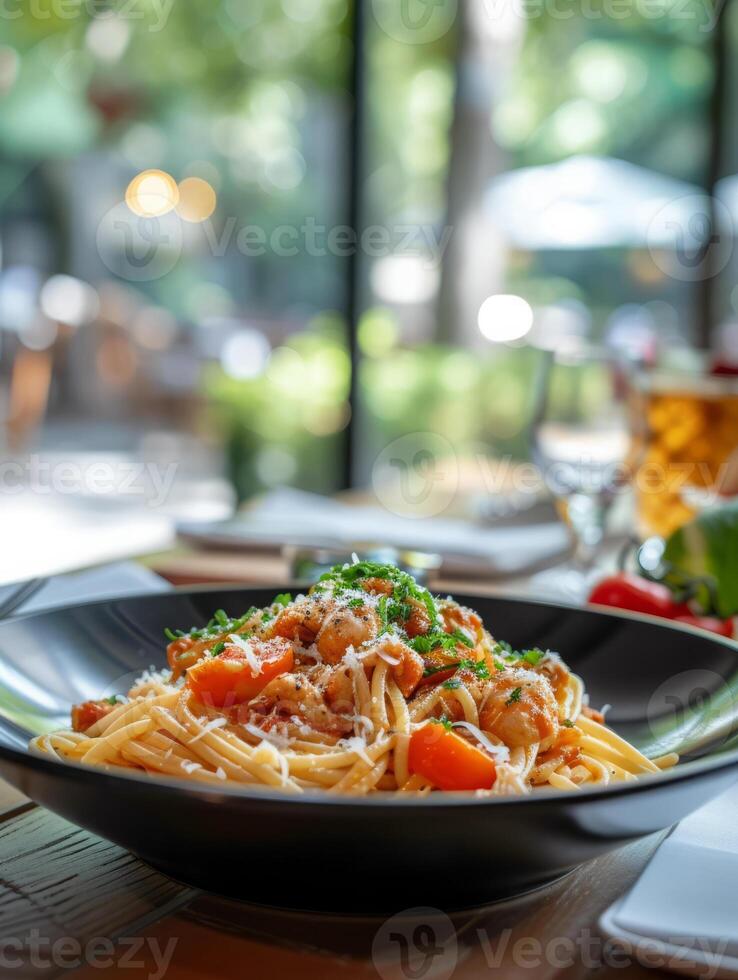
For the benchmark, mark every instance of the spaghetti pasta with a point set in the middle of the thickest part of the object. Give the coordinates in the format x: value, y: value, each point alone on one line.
x: 367, y: 684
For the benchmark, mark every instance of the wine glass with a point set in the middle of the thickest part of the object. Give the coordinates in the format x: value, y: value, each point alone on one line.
x: 582, y: 440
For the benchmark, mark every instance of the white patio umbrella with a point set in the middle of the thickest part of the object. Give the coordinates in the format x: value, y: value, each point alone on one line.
x: 592, y: 202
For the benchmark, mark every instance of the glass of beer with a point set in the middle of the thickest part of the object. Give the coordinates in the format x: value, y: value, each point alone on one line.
x: 688, y: 422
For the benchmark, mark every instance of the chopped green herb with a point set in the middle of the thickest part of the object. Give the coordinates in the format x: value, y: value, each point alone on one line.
x: 343, y: 577
x: 439, y: 640
x: 452, y: 684
x: 443, y: 720
x: 514, y: 696
x: 173, y: 634
x: 283, y: 599
x: 113, y: 699
x: 355, y: 602
x: 430, y: 671
x: 533, y: 657
x: 221, y: 617
x: 478, y: 667
x: 568, y: 723
x: 499, y: 665
x: 218, y: 648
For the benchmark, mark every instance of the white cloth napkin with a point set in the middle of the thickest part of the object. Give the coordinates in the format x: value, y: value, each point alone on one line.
x: 295, y: 517
x: 682, y: 910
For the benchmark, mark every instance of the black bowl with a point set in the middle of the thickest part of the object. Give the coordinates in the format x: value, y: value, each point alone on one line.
x: 669, y: 688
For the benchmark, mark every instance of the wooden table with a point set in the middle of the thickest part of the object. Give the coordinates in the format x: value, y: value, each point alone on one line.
x: 70, y: 901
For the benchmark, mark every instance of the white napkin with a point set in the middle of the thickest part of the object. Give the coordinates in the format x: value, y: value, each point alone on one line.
x: 295, y: 517
x: 683, y: 907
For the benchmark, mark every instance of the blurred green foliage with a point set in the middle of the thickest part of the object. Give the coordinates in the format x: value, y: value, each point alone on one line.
x: 285, y: 425
x: 237, y: 86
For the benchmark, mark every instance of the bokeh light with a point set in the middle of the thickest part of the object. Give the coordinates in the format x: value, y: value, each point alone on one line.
x: 152, y: 193
x: 245, y: 354
x: 197, y: 199
x: 504, y: 317
x: 69, y: 300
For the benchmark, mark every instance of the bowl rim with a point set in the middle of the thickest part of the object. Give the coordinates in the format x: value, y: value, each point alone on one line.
x: 173, y: 787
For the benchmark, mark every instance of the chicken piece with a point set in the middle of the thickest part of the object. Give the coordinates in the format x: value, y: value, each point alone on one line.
x: 303, y: 620
x: 418, y: 622
x: 338, y: 689
x: 344, y: 627
x: 293, y: 696
x: 408, y: 673
x: 519, y: 707
x: 556, y: 673
x: 377, y: 586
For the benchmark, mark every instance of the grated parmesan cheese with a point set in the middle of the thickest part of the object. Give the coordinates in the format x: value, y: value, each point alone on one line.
x: 220, y: 773
x: 280, y: 741
x: 190, y: 766
x: 500, y: 753
x: 358, y: 745
x: 364, y: 725
x: 207, y: 727
x: 153, y: 676
x: 245, y: 647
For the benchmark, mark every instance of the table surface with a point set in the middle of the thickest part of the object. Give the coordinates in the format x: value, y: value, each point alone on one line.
x: 106, y: 911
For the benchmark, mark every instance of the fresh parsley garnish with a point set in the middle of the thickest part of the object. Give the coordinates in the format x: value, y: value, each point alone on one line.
x: 439, y: 640
x: 355, y: 603
x: 283, y: 599
x: 443, y: 720
x: 404, y: 587
x: 219, y: 624
x: 113, y: 699
x: 478, y: 667
x: 510, y: 655
x: 514, y: 696
x: 218, y: 648
x: 452, y: 684
x: 533, y: 657
x: 568, y: 723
